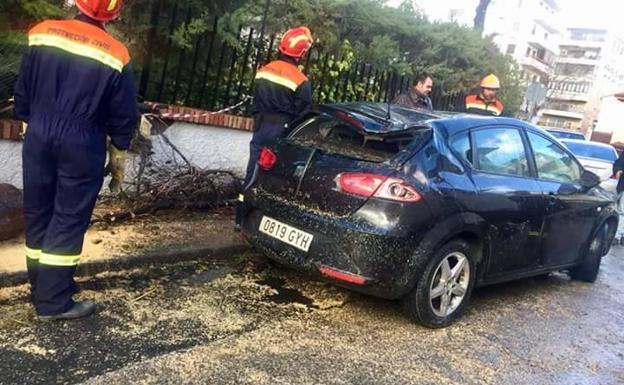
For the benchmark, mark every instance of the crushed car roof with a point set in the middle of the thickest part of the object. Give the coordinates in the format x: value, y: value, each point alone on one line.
x: 373, y: 118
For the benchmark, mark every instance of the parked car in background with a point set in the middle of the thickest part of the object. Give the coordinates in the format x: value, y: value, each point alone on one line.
x: 561, y: 133
x: 404, y: 205
x: 597, y: 158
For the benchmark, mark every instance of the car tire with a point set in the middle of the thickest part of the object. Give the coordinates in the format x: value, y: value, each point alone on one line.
x: 440, y: 296
x: 588, y: 269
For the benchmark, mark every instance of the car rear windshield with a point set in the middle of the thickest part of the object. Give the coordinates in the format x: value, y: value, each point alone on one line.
x: 588, y: 150
x: 337, y: 137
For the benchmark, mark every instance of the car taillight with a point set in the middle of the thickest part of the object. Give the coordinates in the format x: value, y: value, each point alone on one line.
x: 267, y: 158
x: 380, y: 186
x: 360, y: 183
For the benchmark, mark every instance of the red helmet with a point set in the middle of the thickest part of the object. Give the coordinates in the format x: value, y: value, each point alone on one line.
x: 296, y: 42
x: 101, y: 10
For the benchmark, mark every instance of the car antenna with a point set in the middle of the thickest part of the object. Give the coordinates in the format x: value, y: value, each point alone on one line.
x: 389, y: 113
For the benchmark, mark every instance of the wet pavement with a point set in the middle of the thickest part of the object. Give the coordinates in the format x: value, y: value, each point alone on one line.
x: 247, y: 321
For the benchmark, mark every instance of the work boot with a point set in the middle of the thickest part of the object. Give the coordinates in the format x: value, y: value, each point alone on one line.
x: 79, y: 310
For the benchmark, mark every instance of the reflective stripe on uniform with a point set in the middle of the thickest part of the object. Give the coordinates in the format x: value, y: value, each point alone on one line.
x: 241, y: 198
x: 111, y: 5
x: 33, y: 254
x: 59, y: 260
x: 483, y: 107
x: 76, y: 49
x: 277, y: 79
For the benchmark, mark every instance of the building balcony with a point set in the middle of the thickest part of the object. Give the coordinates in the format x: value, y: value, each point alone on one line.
x: 537, y: 64
x: 569, y: 95
x: 583, y: 43
x: 550, y: 46
x: 564, y: 114
x: 580, y: 61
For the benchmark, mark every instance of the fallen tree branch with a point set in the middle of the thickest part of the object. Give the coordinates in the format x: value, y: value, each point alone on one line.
x: 161, y: 183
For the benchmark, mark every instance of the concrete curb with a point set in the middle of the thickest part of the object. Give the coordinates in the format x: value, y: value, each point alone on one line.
x: 127, y: 262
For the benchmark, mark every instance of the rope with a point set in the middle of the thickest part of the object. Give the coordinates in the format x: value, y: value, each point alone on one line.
x: 245, y: 100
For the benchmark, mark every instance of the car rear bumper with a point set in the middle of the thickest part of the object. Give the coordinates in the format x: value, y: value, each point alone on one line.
x: 384, y: 262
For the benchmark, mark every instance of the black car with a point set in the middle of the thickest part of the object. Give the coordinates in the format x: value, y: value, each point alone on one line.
x: 404, y: 204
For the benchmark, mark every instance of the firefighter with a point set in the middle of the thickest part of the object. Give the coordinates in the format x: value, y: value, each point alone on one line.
x: 75, y: 87
x: 485, y: 102
x: 282, y: 93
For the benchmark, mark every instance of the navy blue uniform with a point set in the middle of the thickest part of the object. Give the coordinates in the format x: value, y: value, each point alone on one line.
x: 282, y: 94
x: 75, y: 87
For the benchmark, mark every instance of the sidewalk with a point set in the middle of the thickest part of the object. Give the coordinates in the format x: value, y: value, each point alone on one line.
x: 162, y: 238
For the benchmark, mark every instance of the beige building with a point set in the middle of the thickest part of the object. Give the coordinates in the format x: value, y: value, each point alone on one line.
x: 529, y: 31
x: 590, y: 66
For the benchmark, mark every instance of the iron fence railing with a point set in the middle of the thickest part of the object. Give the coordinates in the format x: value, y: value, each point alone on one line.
x: 215, y: 72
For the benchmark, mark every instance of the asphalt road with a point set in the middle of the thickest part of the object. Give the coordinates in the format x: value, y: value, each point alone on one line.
x: 245, y: 321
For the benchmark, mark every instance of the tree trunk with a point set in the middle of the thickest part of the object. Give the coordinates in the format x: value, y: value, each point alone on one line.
x: 480, y: 13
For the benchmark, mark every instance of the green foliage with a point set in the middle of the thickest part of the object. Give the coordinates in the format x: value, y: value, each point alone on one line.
x: 20, y: 14
x: 512, y: 91
x: 381, y: 52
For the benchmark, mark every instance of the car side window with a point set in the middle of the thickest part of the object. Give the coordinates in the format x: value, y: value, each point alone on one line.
x: 552, y: 161
x: 501, y: 151
x: 461, y: 144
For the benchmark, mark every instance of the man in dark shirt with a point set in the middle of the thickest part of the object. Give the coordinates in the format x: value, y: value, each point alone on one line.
x: 418, y: 95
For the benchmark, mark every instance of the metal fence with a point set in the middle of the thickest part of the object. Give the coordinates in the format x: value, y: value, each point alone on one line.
x: 216, y: 72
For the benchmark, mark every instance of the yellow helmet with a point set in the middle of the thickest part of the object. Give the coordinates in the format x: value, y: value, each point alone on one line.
x: 490, y: 81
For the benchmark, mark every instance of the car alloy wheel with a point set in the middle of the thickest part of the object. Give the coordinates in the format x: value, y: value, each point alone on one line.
x: 449, y: 284
x: 443, y: 288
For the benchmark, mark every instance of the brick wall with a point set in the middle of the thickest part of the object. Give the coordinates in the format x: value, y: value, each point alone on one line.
x: 204, y: 117
x: 10, y: 129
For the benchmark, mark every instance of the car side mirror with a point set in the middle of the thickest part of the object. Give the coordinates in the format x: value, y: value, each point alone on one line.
x: 589, y: 179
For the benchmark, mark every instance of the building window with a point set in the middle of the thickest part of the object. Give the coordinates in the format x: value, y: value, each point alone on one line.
x: 511, y: 48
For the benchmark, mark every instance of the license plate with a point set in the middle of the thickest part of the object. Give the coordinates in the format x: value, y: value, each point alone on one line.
x: 287, y: 234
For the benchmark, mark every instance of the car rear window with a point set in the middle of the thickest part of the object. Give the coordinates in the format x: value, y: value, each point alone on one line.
x: 588, y: 150
x: 337, y: 137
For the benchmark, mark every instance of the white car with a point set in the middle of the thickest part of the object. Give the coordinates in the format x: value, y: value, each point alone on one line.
x: 597, y: 158
x: 561, y: 133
